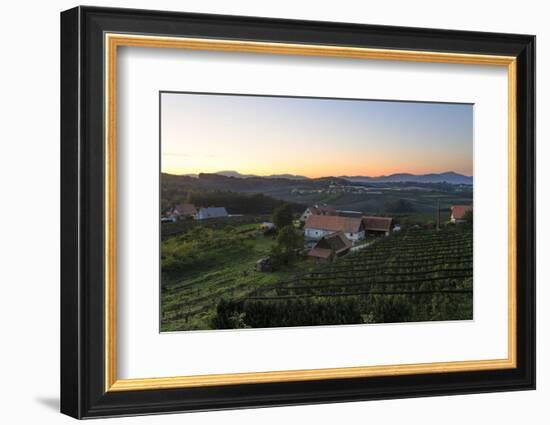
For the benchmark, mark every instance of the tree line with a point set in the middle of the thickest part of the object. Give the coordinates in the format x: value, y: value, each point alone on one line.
x: 234, y: 202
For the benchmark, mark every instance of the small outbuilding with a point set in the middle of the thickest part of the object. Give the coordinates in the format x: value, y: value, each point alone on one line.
x: 330, y: 247
x: 267, y: 226
x: 458, y: 213
x: 182, y: 211
x: 377, y: 225
x: 264, y: 265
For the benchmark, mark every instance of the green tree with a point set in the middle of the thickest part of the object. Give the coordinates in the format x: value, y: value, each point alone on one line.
x: 289, y: 240
x: 283, y: 216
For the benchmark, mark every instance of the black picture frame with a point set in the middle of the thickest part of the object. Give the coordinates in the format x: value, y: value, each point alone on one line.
x: 83, y: 392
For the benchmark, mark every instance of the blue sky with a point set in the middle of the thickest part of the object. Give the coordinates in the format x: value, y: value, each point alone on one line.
x: 314, y: 137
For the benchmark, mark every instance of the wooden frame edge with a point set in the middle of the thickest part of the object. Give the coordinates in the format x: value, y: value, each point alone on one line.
x: 110, y: 213
x: 114, y: 40
x: 306, y: 375
x: 512, y: 212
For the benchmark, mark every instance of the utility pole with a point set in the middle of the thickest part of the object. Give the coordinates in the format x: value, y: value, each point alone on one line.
x: 437, y: 221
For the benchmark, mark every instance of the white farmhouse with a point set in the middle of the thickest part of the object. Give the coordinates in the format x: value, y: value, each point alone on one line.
x: 211, y: 212
x: 318, y: 209
x: 182, y: 211
x: 318, y: 226
x: 458, y: 213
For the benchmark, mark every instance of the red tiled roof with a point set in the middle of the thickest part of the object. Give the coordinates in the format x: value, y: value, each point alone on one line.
x: 335, y: 241
x: 185, y: 209
x: 381, y: 224
x: 334, y: 223
x: 458, y: 211
x: 320, y: 253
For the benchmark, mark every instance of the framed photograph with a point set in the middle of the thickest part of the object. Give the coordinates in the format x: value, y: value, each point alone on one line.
x: 261, y: 212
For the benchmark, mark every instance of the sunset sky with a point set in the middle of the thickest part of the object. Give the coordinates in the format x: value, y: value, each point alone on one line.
x: 204, y: 133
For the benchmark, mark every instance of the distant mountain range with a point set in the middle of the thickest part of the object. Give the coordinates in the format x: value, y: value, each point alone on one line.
x: 236, y: 174
x: 447, y: 177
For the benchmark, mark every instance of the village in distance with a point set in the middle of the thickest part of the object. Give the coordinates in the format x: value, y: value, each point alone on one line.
x: 247, y: 251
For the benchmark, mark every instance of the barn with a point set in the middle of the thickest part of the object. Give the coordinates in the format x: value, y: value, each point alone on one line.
x: 377, y: 225
x: 330, y: 247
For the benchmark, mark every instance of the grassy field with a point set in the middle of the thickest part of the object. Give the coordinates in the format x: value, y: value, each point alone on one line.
x: 219, y: 262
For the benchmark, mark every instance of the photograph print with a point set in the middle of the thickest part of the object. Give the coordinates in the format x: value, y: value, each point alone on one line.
x: 280, y: 211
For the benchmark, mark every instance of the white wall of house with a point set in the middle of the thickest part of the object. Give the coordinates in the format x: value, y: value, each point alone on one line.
x: 311, y: 233
x: 355, y: 237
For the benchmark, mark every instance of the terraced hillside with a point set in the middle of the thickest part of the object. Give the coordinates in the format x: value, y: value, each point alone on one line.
x: 413, y: 275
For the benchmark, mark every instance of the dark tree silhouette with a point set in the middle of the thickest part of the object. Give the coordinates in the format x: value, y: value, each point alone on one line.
x: 283, y: 216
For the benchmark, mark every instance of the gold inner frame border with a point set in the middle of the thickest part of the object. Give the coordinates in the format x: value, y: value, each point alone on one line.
x: 112, y: 41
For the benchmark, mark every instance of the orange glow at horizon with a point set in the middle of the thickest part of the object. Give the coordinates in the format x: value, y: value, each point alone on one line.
x: 314, y: 171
